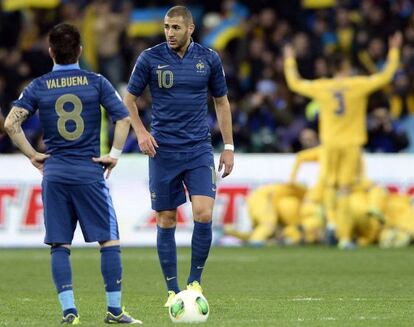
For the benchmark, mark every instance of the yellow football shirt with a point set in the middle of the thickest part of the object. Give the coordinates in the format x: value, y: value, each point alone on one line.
x: 342, y: 101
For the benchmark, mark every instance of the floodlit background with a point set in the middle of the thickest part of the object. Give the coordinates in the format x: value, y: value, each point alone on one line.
x: 281, y: 282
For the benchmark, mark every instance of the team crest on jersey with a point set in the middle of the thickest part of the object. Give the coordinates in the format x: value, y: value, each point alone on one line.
x: 200, y: 67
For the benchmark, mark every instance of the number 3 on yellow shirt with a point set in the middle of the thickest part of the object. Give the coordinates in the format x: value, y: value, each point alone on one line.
x: 341, y: 103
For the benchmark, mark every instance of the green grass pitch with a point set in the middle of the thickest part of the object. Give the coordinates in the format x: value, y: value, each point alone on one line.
x: 313, y: 286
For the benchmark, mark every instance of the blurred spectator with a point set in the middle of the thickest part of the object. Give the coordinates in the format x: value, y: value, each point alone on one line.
x: 308, y: 138
x: 345, y: 31
x: 402, y: 98
x: 108, y: 28
x: 266, y: 115
x: 383, y: 134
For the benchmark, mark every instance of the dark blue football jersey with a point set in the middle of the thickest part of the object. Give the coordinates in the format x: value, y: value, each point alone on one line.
x: 69, y: 101
x: 179, y: 89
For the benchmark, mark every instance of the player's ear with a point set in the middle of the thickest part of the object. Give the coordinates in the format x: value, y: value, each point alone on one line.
x: 51, y: 54
x: 191, y: 28
x: 80, y: 51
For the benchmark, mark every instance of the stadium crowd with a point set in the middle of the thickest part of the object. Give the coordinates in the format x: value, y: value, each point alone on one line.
x: 267, y: 117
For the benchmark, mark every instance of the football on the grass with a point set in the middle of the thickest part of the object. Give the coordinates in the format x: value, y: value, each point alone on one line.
x: 189, y: 307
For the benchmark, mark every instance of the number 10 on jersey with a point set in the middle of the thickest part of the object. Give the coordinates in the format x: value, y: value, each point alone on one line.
x: 165, y: 78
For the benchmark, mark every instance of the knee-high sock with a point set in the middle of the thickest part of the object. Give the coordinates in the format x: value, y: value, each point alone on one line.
x: 167, y: 254
x: 111, y: 268
x: 62, y: 277
x: 200, y: 247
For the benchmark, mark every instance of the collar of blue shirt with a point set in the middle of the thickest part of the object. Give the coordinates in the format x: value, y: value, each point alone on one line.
x: 190, y: 46
x: 65, y: 67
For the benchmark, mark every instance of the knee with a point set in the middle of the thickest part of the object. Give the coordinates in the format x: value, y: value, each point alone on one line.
x: 109, y: 243
x: 166, y: 219
x: 59, y: 248
x: 203, y: 215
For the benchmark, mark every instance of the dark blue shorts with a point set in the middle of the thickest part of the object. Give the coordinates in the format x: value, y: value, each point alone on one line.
x: 171, y: 172
x: 90, y: 204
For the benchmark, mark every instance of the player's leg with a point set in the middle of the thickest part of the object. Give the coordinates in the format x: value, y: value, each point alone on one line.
x: 264, y: 216
x: 98, y: 222
x: 62, y: 277
x: 201, y: 238
x: 347, y: 175
x: 328, y: 178
x: 200, y: 179
x: 167, y: 250
x: 60, y: 223
x: 111, y: 269
x: 167, y: 193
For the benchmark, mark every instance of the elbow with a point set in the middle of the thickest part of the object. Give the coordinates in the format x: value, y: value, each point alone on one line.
x: 8, y: 126
x: 129, y: 99
x: 126, y: 121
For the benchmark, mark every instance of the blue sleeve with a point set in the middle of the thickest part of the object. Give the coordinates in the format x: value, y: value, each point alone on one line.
x: 112, y: 101
x: 27, y: 99
x: 140, y: 75
x: 217, y: 81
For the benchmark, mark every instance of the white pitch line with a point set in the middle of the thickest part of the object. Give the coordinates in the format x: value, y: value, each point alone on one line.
x: 306, y: 299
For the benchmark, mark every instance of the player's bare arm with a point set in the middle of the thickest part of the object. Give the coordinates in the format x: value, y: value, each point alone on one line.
x: 223, y: 112
x: 288, y: 51
x: 120, y: 135
x: 396, y: 40
x: 13, y: 127
x: 14, y: 120
x: 146, y: 141
x: 385, y: 76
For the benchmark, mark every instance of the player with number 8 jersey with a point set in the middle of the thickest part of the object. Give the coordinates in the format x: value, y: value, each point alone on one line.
x: 69, y: 99
x: 69, y: 102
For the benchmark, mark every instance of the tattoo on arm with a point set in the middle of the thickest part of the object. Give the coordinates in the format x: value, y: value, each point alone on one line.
x: 15, y: 119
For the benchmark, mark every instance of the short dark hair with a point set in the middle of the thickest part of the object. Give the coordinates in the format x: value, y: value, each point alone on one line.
x: 180, y: 11
x: 64, y: 40
x: 337, y: 61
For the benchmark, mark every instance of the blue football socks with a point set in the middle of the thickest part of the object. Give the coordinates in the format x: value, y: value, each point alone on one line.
x: 167, y: 253
x: 62, y: 277
x: 111, y: 268
x: 200, y: 247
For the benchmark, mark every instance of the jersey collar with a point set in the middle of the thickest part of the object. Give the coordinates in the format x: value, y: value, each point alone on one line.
x: 189, y: 48
x: 65, y: 67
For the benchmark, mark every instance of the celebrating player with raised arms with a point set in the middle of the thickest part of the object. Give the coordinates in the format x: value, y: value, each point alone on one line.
x: 179, y: 74
x: 73, y: 187
x: 342, y: 124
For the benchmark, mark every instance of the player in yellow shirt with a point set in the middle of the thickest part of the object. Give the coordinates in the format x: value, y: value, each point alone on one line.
x: 399, y: 221
x: 367, y: 206
x: 343, y: 101
x: 270, y: 206
x: 364, y: 227
x: 313, y: 214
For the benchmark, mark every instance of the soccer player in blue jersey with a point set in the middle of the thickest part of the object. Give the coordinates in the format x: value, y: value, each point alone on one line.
x: 73, y: 186
x: 180, y: 73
